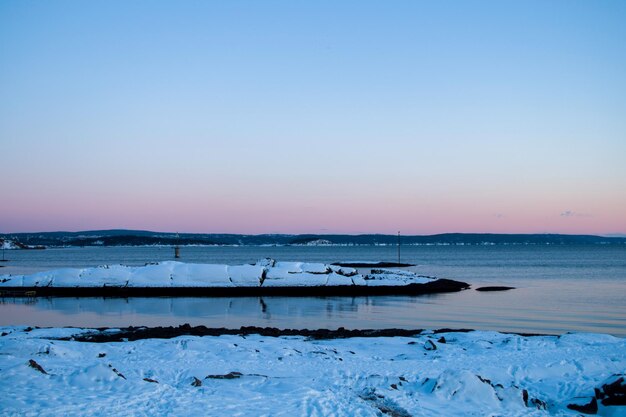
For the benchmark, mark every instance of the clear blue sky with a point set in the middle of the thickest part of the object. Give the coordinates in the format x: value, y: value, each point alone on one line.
x: 321, y: 116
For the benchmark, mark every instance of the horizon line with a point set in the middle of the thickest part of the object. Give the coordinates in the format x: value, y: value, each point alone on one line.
x: 609, y: 235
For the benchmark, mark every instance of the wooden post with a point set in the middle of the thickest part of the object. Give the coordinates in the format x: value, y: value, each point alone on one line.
x: 398, y: 247
x: 177, y: 247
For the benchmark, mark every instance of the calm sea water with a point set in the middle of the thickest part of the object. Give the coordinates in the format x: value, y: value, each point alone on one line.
x: 559, y: 289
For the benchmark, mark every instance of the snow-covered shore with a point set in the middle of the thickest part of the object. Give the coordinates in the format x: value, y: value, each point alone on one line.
x: 448, y: 374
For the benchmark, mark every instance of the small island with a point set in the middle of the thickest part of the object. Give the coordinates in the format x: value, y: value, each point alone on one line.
x: 494, y: 288
x: 266, y: 277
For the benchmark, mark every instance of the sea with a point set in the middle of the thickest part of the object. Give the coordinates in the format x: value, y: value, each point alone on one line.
x: 558, y: 289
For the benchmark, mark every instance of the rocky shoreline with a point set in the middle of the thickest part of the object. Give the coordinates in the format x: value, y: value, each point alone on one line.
x: 105, y: 335
x: 434, y: 287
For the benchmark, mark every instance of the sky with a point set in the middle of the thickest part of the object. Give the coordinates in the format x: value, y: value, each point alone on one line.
x: 313, y: 117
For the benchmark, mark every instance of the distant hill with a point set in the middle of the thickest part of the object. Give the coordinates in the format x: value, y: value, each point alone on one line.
x: 144, y: 238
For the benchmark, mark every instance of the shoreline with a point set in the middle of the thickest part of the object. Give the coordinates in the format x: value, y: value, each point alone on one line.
x: 437, y: 286
x: 131, y: 333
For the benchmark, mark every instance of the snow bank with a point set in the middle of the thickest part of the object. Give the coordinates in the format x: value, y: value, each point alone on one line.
x: 449, y: 374
x: 265, y: 273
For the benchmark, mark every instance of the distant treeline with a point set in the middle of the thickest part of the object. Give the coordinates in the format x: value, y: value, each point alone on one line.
x: 143, y: 238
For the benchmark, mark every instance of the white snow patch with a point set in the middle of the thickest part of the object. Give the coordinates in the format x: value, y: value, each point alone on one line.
x: 103, y: 276
x: 335, y: 279
x: 200, y: 275
x: 8, y: 245
x: 246, y: 275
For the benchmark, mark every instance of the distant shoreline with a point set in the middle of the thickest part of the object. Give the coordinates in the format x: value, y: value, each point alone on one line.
x: 135, y: 238
x: 41, y: 247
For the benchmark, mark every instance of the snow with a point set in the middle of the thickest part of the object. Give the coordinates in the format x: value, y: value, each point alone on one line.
x: 266, y: 273
x: 471, y: 374
x: 296, y: 279
x: 105, y: 276
x: 198, y: 275
x: 8, y: 244
x: 394, y: 277
x: 246, y: 275
x: 342, y: 270
x: 334, y: 279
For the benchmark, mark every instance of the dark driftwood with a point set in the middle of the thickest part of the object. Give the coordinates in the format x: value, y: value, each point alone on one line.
x: 437, y: 286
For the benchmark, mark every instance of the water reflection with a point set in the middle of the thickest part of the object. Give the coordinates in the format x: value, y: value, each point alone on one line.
x: 314, y: 311
x: 508, y: 311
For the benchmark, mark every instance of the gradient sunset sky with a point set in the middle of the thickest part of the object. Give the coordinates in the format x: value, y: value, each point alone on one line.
x: 313, y: 117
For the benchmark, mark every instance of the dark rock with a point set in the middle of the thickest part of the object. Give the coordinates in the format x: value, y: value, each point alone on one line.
x: 538, y: 404
x: 533, y: 402
x: 495, y: 288
x: 36, y: 366
x: 485, y: 380
x: 598, y: 393
x: 613, y: 392
x: 621, y: 400
x: 586, y: 405
x: 345, y: 273
x: 139, y: 333
x: 447, y: 330
x: 394, y: 386
x: 118, y: 373
x: 151, y: 380
x: 101, y: 355
x: 131, y: 334
x: 429, y: 345
x: 230, y: 375
x: 384, y: 405
x: 196, y: 382
x: 442, y: 340
x: 373, y: 265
